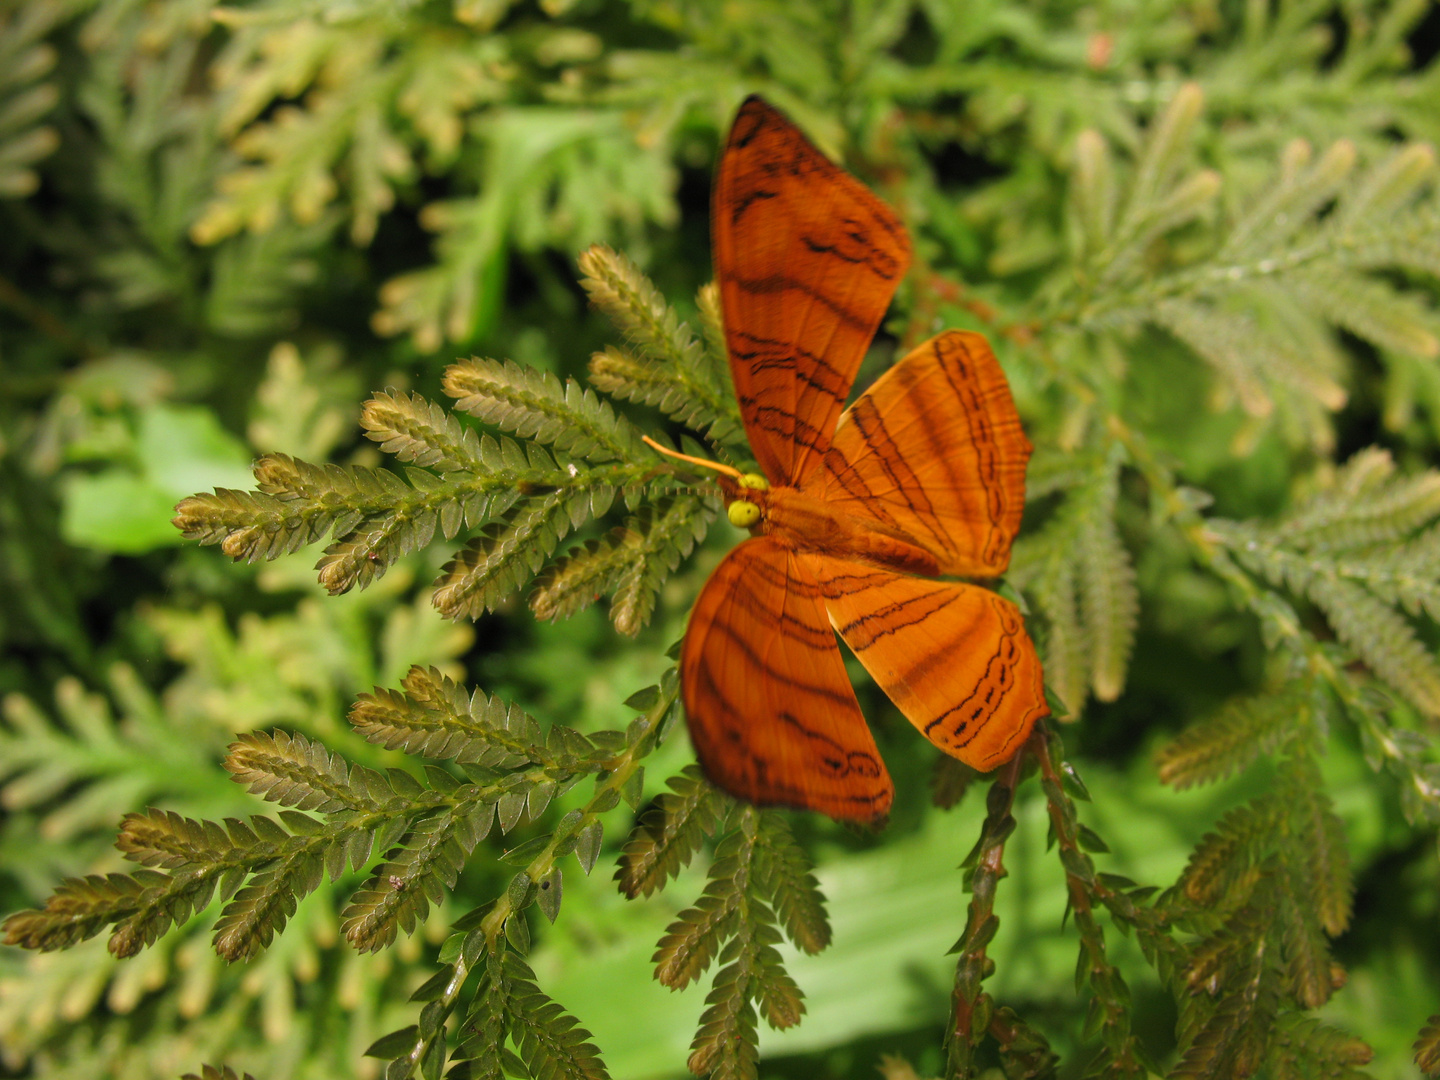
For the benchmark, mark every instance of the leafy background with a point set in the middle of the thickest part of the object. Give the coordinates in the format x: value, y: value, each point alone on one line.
x: 1201, y: 235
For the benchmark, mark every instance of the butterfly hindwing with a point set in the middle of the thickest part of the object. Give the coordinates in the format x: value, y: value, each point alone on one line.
x: 953, y: 657
x: 770, y: 708
x: 935, y: 449
x: 807, y: 259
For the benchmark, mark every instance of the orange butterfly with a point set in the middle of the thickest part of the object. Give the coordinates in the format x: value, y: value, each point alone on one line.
x: 858, y: 514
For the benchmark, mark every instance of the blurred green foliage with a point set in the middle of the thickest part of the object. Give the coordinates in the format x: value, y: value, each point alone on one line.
x: 1204, y: 237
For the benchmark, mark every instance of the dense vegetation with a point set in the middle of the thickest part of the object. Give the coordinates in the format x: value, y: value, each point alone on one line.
x: 342, y: 239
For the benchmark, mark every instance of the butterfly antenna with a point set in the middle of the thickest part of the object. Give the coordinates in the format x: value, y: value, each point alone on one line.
x: 727, y: 470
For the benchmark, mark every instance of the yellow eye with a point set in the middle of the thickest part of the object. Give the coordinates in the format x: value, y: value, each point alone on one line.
x: 742, y: 514
x: 755, y: 482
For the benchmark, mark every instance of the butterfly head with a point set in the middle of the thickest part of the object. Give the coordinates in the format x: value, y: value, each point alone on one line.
x: 744, y: 499
x: 744, y: 492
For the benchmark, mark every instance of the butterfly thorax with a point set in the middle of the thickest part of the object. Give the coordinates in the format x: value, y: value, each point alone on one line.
x: 805, y: 523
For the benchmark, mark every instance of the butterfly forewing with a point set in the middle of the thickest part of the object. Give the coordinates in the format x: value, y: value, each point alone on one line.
x: 807, y: 260
x: 954, y: 658
x: 935, y: 449
x: 770, y: 708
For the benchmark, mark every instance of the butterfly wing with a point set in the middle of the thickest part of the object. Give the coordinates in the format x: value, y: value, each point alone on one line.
x: 807, y: 259
x: 935, y: 450
x: 954, y: 658
x: 770, y: 708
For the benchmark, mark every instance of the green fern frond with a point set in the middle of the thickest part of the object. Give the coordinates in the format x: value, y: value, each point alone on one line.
x: 1321, y: 551
x: 1093, y: 195
x: 781, y: 1002
x: 726, y: 1045
x: 1260, y: 362
x: 550, y: 1041
x: 1228, y: 853
x: 509, y: 552
x: 375, y: 515
x: 1285, y: 207
x: 1369, y: 310
x: 1235, y: 967
x: 1381, y: 638
x: 1112, y: 227
x: 78, y: 909
x: 1231, y: 1041
x: 1367, y: 504
x: 1109, y: 598
x: 168, y: 840
x: 1318, y: 854
x: 1066, y: 651
x: 146, y: 904
x: 669, y: 834
x: 658, y: 537
x: 1258, y: 302
x: 1156, y: 201
x: 717, y: 352
x: 1185, y: 202
x: 638, y: 310
x: 1051, y: 472
x: 755, y: 865
x: 263, y: 906
x: 415, y: 429
x: 370, y: 549
x: 1223, y: 340
x: 292, y: 866
x: 1163, y: 156
x: 295, y: 771
x: 26, y: 59
x: 413, y: 876
x: 582, y: 576
x: 693, y: 940
x: 631, y: 563
x: 1427, y: 1047
x: 1305, y: 1048
x: 533, y: 404
x: 1305, y: 950
x: 782, y: 872
x: 1083, y: 582
x: 1267, y: 888
x: 1225, y: 744
x: 673, y: 371
x: 1390, y: 186
x: 211, y: 1072
x: 648, y: 382
x: 250, y: 525
x: 434, y: 717
x: 1405, y: 575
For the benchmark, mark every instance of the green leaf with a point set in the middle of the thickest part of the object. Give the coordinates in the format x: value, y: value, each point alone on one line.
x: 394, y: 1044
x: 526, y: 852
x: 668, y: 835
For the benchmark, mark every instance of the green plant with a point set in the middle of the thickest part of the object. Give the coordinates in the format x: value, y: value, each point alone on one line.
x: 1202, y: 240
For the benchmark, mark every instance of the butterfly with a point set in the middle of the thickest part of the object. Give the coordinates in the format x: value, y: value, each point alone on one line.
x: 861, y: 515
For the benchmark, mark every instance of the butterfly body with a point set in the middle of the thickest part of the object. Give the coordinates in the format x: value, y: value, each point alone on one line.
x: 861, y: 517
x: 803, y: 522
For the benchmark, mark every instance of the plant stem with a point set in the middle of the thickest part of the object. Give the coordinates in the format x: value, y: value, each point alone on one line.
x: 1109, y: 1007
x: 971, y: 1008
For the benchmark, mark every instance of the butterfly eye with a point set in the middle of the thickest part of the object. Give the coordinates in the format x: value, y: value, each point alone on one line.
x: 755, y: 482
x: 742, y: 514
